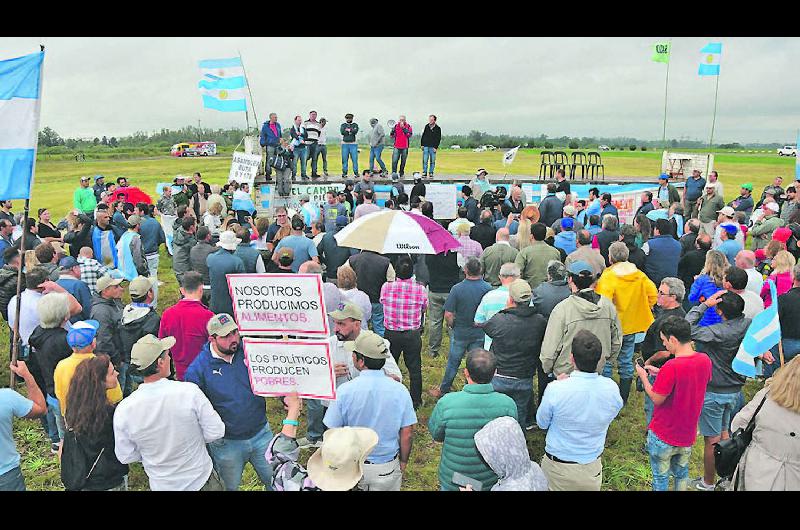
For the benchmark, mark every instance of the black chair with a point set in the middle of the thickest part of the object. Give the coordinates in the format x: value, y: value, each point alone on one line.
x: 578, y: 159
x: 546, y: 165
x: 595, y: 163
x: 560, y: 161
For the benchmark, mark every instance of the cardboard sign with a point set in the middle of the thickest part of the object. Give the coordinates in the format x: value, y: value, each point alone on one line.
x: 279, y: 304
x: 279, y: 367
x: 244, y: 168
x: 443, y: 197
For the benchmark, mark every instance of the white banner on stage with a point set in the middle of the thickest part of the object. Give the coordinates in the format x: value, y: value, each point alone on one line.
x: 443, y: 198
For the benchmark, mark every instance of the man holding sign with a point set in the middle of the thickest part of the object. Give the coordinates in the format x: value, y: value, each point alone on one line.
x: 221, y: 373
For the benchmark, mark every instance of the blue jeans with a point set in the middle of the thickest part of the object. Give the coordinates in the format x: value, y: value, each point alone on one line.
x: 666, y: 460
x: 350, y: 151
x: 458, y: 348
x: 377, y: 319
x: 312, y: 150
x: 520, y: 390
x: 625, y: 359
x: 401, y: 155
x: 315, y: 413
x: 648, y: 403
x: 230, y: 456
x: 321, y: 150
x: 791, y: 347
x: 54, y: 412
x: 428, y: 154
x: 375, y: 154
x: 12, y: 480
x: 301, y: 154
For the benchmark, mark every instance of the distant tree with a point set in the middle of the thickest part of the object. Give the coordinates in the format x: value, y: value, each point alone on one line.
x: 96, y: 140
x: 104, y: 141
x: 673, y: 143
x: 573, y: 144
x: 72, y: 143
x: 643, y: 148
x: 632, y: 147
x: 548, y: 145
x: 49, y: 138
x: 113, y: 141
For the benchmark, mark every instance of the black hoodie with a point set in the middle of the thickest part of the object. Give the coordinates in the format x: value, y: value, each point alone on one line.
x: 50, y: 346
x: 517, y: 334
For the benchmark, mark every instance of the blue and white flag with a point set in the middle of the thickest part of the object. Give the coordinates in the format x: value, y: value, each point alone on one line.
x: 222, y: 84
x: 20, y: 104
x: 509, y: 156
x: 764, y: 333
x: 797, y: 160
x: 709, y: 59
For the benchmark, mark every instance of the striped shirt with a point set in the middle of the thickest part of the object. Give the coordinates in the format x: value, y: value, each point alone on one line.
x: 492, y: 303
x: 469, y: 248
x: 404, y: 302
x: 312, y: 129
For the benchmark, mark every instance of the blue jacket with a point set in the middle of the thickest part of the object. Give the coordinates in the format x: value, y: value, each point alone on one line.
x: 662, y: 260
x: 152, y: 235
x: 268, y: 137
x: 219, y: 264
x: 227, y: 387
x: 703, y: 288
x: 609, y: 208
x: 82, y: 294
x: 4, y: 244
x: 566, y: 240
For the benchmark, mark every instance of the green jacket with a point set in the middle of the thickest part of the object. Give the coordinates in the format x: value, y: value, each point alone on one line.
x: 455, y: 420
x: 762, y: 231
x: 493, y: 258
x: 709, y: 208
x: 84, y: 200
x: 532, y: 261
x: 674, y: 196
x: 181, y: 199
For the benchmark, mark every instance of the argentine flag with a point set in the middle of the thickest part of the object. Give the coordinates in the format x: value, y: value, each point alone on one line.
x: 764, y: 333
x: 223, y: 85
x: 709, y: 59
x: 20, y: 105
x: 509, y: 156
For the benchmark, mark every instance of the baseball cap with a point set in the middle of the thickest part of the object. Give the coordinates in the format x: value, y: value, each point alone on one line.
x: 727, y: 211
x: 782, y: 234
x: 305, y: 197
x: 347, y: 310
x: 221, y: 325
x: 580, y: 267
x: 663, y: 176
x: 139, y: 286
x: 520, y: 291
x: 481, y: 170
x: 369, y: 344
x: 569, y: 210
x: 107, y: 281
x: 341, y: 220
x: 148, y: 349
x: 731, y: 229
x: 771, y: 191
x: 134, y: 220
x: 82, y: 333
x: 747, y: 186
x: 567, y: 222
x: 98, y: 177
x: 67, y: 263
x: 83, y: 179
x: 773, y: 206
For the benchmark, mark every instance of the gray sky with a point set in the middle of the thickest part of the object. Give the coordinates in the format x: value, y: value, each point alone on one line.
x: 556, y: 86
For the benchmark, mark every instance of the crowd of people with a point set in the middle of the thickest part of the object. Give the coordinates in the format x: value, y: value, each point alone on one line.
x: 542, y: 304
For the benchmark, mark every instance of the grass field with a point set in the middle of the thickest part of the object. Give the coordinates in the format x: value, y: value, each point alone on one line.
x: 626, y: 466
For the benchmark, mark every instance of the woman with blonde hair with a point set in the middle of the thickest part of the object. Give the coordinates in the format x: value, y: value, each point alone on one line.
x: 782, y: 265
x: 214, y: 214
x: 527, y: 218
x: 708, y: 282
x: 772, y: 460
x: 346, y: 280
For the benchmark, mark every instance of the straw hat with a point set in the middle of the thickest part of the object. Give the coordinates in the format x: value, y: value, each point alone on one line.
x: 338, y: 465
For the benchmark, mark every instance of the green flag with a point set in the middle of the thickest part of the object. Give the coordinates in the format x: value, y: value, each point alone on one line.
x: 661, y: 52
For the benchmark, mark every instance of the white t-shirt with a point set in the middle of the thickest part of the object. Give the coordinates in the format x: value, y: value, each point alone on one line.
x: 28, y: 315
x: 753, y: 304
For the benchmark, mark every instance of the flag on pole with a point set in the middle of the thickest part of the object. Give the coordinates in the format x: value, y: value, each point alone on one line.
x: 661, y: 52
x: 797, y: 160
x: 764, y: 333
x: 223, y: 85
x: 20, y: 105
x: 508, y: 156
x: 709, y: 59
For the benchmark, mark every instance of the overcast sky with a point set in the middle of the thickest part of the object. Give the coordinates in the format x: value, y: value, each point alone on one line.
x: 556, y: 86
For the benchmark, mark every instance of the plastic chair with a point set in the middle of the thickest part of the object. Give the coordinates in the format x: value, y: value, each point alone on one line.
x: 546, y: 164
x: 578, y: 159
x: 595, y: 163
x: 560, y: 161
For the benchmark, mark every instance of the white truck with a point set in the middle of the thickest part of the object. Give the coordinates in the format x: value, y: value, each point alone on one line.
x: 788, y: 150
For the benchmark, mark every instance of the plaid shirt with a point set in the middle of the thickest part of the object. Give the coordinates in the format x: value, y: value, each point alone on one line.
x: 91, y: 271
x: 469, y: 248
x: 404, y: 302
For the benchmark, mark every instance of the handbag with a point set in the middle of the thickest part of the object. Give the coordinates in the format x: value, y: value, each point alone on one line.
x: 728, y: 453
x: 75, y: 467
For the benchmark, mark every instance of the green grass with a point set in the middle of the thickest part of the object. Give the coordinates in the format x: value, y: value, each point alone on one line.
x: 626, y: 467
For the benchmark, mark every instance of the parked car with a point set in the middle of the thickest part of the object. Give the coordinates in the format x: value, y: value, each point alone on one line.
x: 455, y: 147
x: 788, y: 150
x: 479, y: 149
x: 490, y: 148
x: 603, y: 148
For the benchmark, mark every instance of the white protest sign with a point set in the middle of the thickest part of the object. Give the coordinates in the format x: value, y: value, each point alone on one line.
x: 443, y: 198
x: 279, y: 303
x: 244, y: 168
x: 278, y: 367
x: 316, y: 194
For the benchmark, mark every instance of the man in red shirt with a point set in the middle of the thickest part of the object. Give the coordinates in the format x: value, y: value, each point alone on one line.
x: 401, y: 133
x: 186, y: 321
x: 678, y: 394
x: 404, y: 301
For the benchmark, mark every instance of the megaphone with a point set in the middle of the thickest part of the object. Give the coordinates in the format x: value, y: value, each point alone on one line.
x: 391, y: 123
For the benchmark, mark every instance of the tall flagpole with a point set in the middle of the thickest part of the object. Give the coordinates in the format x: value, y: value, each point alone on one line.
x: 714, y: 117
x: 666, y: 88
x: 247, y: 81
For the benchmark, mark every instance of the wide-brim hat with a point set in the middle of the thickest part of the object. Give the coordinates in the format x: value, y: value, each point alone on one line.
x: 338, y: 464
x: 228, y: 240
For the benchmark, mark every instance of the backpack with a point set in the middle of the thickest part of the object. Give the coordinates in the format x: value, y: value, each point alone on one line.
x: 76, y: 465
x: 792, y: 242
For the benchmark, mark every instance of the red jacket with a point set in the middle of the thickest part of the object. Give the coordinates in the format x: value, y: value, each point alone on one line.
x: 401, y: 137
x: 186, y: 321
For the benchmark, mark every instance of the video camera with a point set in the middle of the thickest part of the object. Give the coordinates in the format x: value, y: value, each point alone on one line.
x: 493, y: 198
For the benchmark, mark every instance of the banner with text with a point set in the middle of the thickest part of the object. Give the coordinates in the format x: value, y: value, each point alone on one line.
x: 443, y: 197
x: 279, y: 367
x: 290, y: 304
x: 244, y: 168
